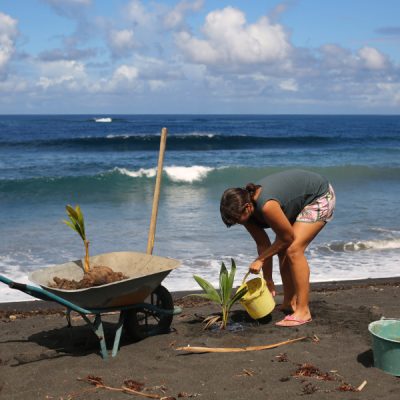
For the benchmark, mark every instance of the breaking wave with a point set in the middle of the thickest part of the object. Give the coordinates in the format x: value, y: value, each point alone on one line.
x: 353, y: 246
x: 119, y: 178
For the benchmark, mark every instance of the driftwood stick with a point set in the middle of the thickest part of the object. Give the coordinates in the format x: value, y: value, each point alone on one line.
x: 194, y: 349
x: 124, y: 389
x: 361, y: 387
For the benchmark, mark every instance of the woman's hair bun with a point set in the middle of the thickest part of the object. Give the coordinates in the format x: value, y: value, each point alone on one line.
x: 251, y: 188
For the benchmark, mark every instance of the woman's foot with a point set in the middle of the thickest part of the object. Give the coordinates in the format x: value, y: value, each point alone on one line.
x: 286, y: 308
x: 296, y: 319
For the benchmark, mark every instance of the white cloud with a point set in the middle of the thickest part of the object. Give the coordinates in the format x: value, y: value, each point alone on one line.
x: 124, y: 78
x: 8, y: 34
x: 338, y: 58
x: 289, y: 85
x: 156, y: 85
x: 176, y: 17
x: 13, y: 84
x: 392, y: 91
x: 136, y: 12
x: 228, y: 60
x: 63, y: 67
x: 372, y: 58
x: 122, y: 42
x: 230, y: 39
x: 126, y: 73
x: 69, y: 74
x: 46, y: 83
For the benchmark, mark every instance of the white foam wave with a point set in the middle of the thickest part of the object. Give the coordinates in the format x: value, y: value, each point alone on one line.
x: 11, y: 269
x: 389, y: 244
x: 103, y: 119
x: 196, y: 134
x: 191, y: 174
x: 142, y: 172
x: 195, y: 173
x: 324, y: 268
x: 117, y: 136
x: 385, y: 230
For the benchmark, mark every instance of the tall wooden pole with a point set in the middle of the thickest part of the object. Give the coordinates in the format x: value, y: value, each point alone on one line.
x: 152, y: 230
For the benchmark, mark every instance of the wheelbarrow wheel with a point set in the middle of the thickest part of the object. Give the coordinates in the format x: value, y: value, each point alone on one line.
x: 143, y: 322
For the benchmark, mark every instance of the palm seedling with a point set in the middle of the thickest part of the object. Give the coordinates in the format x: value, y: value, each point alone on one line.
x: 77, y: 223
x: 223, y: 296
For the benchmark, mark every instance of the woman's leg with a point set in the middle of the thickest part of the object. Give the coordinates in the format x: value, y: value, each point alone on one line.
x: 300, y: 271
x: 289, y: 293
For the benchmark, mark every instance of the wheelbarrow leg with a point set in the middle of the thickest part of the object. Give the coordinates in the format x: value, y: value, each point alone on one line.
x: 68, y: 317
x: 118, y: 333
x: 99, y: 331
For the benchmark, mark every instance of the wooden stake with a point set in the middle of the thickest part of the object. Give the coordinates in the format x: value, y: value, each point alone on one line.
x: 152, y: 230
x: 191, y: 349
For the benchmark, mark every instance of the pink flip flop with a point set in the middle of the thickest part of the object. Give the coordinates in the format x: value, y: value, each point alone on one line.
x: 293, y: 321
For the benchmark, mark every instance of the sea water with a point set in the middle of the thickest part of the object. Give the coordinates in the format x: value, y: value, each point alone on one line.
x: 109, y: 169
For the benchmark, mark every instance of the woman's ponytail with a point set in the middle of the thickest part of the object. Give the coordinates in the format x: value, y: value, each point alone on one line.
x: 252, y: 188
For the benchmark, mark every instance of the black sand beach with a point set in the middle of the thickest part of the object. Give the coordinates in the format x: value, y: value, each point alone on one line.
x: 40, y: 358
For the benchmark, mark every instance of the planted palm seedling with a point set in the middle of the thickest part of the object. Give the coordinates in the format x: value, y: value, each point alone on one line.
x: 223, y: 296
x: 93, y: 276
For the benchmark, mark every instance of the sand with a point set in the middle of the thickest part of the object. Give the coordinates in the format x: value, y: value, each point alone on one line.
x: 41, y: 358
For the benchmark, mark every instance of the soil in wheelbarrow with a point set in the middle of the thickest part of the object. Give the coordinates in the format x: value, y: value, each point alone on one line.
x: 98, y: 275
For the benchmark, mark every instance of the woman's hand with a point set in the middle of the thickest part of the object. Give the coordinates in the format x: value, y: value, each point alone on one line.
x: 255, y: 267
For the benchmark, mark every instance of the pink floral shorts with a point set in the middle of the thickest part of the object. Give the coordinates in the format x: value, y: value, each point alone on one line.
x: 320, y: 210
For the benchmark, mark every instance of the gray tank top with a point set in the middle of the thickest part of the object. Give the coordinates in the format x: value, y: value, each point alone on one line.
x: 293, y: 189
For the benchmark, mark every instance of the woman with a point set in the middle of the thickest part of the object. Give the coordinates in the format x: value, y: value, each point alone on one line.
x: 296, y: 205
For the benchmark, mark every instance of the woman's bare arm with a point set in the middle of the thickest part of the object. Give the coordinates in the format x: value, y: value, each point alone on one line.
x: 263, y: 243
x: 279, y: 223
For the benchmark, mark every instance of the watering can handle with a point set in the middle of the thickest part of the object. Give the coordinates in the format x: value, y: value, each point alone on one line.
x: 263, y: 283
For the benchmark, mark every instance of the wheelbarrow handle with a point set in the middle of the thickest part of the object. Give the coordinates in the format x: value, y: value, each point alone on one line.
x: 5, y: 280
x: 12, y: 284
x: 18, y: 286
x: 43, y: 294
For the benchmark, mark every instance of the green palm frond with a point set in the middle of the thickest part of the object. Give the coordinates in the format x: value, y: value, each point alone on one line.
x: 224, y: 295
x: 238, y: 295
x: 210, y: 292
x: 223, y: 283
x: 232, y: 273
x: 77, y: 223
x: 76, y: 220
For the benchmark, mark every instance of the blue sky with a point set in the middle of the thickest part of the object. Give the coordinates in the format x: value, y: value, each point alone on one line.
x: 199, y: 56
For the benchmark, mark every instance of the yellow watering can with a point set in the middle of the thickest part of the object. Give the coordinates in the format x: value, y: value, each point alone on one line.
x: 258, y: 301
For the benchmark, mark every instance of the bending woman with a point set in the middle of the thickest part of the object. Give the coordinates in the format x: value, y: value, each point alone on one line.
x: 296, y: 205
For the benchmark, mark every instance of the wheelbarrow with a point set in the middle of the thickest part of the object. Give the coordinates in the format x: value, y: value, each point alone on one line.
x: 145, y: 306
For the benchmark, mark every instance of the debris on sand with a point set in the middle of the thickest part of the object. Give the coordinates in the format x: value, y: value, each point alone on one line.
x: 310, y: 371
x: 130, y: 387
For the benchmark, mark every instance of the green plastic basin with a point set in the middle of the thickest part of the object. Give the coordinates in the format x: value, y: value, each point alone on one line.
x: 386, y: 345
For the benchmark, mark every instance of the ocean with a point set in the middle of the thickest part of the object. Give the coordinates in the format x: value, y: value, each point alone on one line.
x: 107, y: 165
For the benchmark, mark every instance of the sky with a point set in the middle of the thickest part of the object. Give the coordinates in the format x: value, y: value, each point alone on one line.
x: 199, y: 57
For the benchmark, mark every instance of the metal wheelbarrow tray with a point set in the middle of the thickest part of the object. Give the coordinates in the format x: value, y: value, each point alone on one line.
x: 146, y: 308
